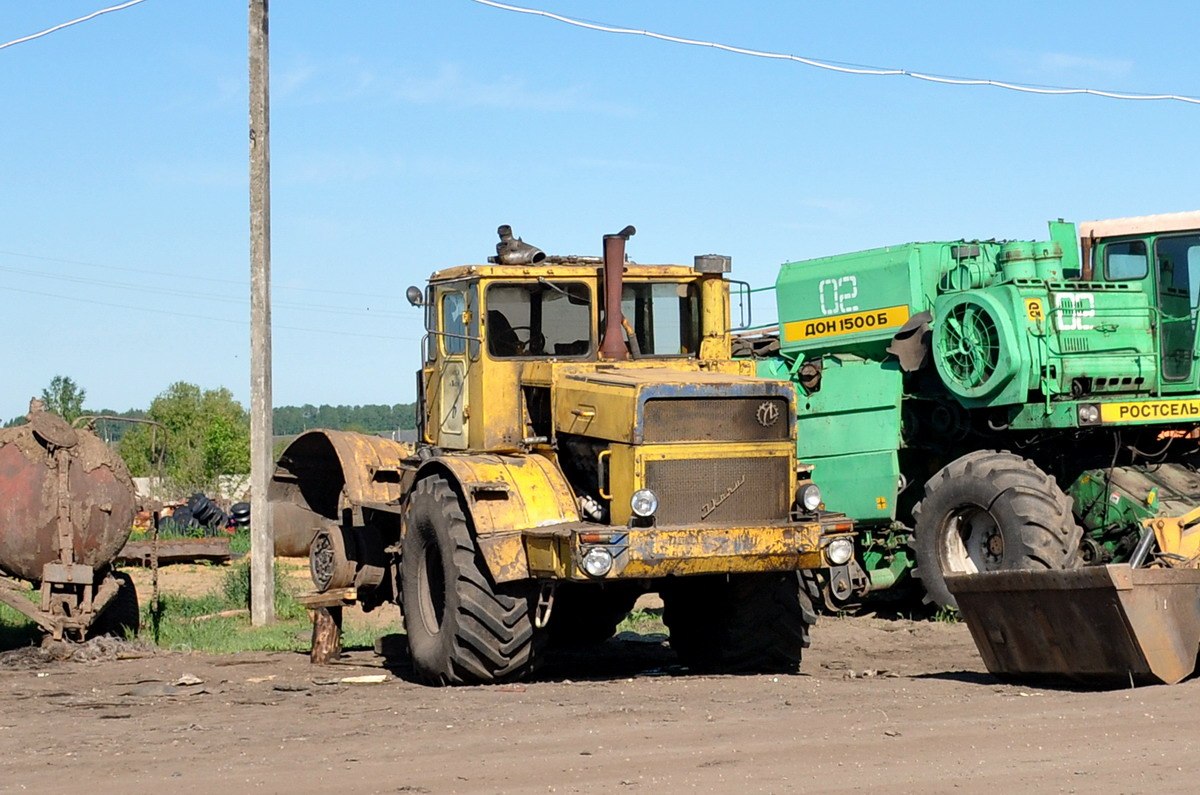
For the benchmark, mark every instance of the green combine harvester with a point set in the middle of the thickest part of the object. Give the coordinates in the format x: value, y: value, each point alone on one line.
x: 981, y: 406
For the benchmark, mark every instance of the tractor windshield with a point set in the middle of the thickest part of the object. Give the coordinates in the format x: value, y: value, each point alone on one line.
x: 539, y: 319
x: 665, y: 317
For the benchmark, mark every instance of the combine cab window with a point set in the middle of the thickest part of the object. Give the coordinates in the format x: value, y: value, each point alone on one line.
x: 1126, y: 261
x: 540, y: 319
x: 665, y: 317
x: 1178, y: 263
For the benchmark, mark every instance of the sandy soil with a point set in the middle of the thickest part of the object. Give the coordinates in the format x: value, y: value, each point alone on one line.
x: 893, y: 706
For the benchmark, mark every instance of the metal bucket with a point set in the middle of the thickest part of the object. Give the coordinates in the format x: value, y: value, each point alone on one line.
x: 1100, y: 625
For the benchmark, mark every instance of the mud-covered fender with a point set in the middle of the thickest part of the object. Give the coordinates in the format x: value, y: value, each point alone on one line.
x: 504, y: 495
x: 324, y: 473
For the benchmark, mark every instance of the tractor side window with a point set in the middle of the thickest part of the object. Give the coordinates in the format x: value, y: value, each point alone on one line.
x: 454, y: 325
x: 1126, y: 261
x: 665, y: 317
x: 541, y: 318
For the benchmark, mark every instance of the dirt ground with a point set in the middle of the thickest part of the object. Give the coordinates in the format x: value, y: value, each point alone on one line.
x: 894, y: 706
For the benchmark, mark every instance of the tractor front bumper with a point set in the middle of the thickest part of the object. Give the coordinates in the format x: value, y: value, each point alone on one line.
x: 591, y: 552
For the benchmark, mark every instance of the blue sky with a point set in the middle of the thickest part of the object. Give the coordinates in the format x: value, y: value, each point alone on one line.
x: 404, y: 133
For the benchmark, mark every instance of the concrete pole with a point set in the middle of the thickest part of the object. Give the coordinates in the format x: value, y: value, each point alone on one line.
x: 262, y: 532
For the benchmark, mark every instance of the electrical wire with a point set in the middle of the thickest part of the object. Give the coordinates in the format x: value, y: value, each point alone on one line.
x: 244, y: 284
x: 206, y: 318
x: 193, y: 295
x: 872, y: 71
x: 48, y: 31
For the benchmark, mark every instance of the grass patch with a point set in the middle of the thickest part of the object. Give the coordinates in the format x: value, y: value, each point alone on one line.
x: 643, y: 622
x: 947, y: 615
x: 193, y: 624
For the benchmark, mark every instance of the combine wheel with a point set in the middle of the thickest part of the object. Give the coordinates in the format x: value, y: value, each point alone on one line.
x: 740, y: 623
x: 988, y: 511
x: 585, y: 615
x: 462, y: 627
x: 121, y: 616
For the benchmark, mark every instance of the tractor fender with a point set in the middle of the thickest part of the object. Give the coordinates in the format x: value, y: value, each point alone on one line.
x: 504, y: 495
x: 322, y: 474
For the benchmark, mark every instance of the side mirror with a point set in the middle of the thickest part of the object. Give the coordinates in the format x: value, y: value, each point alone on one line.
x: 415, y: 296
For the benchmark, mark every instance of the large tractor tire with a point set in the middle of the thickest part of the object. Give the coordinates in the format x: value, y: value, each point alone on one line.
x: 121, y: 617
x: 739, y: 623
x: 462, y: 627
x: 988, y: 511
x: 586, y: 615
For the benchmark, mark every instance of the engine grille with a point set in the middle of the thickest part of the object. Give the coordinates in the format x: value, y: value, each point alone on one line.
x: 720, y: 490
x: 759, y: 419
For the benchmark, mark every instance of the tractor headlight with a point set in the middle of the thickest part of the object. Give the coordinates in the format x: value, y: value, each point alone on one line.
x: 597, y: 562
x: 1089, y: 414
x: 840, y: 551
x: 643, y: 503
x: 810, y: 497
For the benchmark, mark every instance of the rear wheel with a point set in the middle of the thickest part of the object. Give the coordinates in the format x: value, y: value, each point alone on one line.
x: 462, y: 627
x: 739, y: 623
x: 989, y: 511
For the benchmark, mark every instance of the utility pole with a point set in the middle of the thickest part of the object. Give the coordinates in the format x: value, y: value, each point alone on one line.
x: 262, y: 531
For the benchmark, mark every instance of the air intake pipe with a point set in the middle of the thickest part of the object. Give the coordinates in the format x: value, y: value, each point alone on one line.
x: 612, y: 344
x: 515, y: 251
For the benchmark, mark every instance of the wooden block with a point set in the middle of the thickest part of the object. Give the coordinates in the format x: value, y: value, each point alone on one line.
x: 326, y: 635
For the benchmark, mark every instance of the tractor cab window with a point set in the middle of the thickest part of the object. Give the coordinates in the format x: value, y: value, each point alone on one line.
x: 541, y: 318
x: 665, y: 317
x: 454, y: 323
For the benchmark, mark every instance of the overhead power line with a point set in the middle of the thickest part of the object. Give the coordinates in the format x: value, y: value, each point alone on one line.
x: 872, y: 71
x: 48, y: 31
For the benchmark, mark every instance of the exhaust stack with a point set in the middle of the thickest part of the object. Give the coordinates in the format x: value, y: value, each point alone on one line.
x: 612, y: 344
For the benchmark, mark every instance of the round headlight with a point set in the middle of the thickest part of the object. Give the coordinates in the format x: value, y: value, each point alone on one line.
x: 810, y: 496
x: 597, y: 562
x: 839, y: 551
x: 643, y: 503
x: 1088, y: 414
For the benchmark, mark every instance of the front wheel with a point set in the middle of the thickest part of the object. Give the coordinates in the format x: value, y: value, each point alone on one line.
x: 462, y: 627
x: 989, y: 511
x: 739, y: 623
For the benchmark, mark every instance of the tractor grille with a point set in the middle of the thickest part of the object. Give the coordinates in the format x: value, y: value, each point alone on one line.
x: 759, y: 419
x: 720, y: 490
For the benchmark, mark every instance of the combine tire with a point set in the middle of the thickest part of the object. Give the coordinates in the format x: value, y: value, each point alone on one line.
x: 121, y: 617
x: 586, y: 615
x: 989, y: 511
x: 462, y: 627
x: 739, y: 623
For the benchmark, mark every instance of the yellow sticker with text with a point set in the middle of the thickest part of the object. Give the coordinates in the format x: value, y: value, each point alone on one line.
x: 1034, y: 310
x: 1151, y: 411
x: 850, y: 323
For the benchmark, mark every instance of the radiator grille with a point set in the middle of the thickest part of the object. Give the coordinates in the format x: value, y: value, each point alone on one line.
x: 759, y: 419
x: 720, y: 490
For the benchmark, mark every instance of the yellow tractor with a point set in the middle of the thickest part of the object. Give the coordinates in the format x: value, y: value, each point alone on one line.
x: 584, y: 438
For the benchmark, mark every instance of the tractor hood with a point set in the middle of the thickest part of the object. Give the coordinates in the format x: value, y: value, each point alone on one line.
x: 670, y: 406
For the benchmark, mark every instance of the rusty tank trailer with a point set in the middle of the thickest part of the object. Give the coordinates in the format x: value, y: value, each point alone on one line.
x: 67, y: 504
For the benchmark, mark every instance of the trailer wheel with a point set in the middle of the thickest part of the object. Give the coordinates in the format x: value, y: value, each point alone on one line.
x: 739, y: 623
x: 462, y: 627
x: 586, y: 615
x: 121, y: 616
x: 989, y: 511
